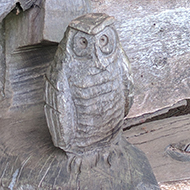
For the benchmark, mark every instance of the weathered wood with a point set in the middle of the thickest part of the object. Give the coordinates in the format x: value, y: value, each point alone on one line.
x: 19, y: 5
x: 2, y: 60
x: 154, y: 137
x: 59, y: 13
x: 180, y: 108
x: 27, y: 152
x: 176, y: 185
x: 44, y: 21
x: 29, y: 160
x: 26, y: 144
x: 89, y: 90
x: 26, y: 25
x: 26, y: 75
x: 150, y: 63
x: 23, y: 35
x: 155, y: 36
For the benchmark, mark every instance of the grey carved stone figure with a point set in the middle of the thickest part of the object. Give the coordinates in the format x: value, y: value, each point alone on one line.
x: 89, y: 91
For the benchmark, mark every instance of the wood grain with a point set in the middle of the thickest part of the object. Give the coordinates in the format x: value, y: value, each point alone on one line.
x: 154, y: 137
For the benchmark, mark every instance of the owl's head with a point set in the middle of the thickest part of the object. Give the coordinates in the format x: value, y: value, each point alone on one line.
x: 92, y: 36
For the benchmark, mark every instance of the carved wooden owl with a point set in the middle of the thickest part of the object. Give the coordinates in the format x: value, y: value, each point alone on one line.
x: 88, y: 86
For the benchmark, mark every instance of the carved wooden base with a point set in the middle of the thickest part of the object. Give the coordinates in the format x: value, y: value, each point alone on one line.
x: 29, y: 161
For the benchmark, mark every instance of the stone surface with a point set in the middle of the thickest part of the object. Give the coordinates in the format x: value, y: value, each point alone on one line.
x: 155, y: 36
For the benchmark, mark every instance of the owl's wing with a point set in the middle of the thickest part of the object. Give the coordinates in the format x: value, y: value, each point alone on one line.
x: 52, y: 113
x: 59, y: 109
x: 127, y: 80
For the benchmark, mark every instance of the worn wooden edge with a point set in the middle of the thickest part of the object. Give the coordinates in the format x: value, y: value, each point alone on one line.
x: 180, y: 108
x: 154, y: 137
x: 11, y: 5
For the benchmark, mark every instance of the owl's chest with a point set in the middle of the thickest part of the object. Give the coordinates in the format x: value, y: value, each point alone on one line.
x: 99, y: 103
x: 86, y: 76
x: 96, y: 93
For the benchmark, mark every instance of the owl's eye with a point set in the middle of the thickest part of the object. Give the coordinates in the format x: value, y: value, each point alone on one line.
x: 103, y: 40
x: 106, y: 41
x: 83, y: 43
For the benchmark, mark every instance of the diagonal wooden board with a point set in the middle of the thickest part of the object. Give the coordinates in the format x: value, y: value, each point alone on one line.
x: 154, y: 137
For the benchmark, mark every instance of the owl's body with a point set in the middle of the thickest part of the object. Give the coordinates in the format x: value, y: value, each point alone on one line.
x: 98, y: 100
x: 89, y: 91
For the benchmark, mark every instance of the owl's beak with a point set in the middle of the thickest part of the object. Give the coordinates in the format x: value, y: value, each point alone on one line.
x: 100, y: 62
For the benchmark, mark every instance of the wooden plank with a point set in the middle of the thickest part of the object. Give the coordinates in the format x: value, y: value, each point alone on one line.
x: 180, y: 108
x: 154, y: 35
x: 8, y: 6
x: 154, y: 137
